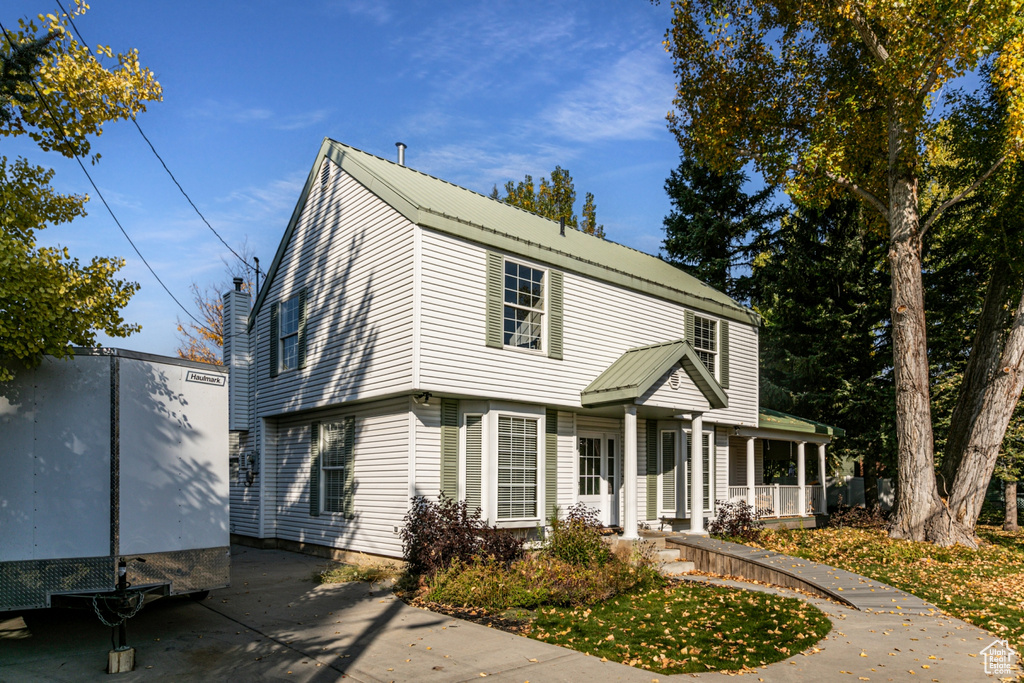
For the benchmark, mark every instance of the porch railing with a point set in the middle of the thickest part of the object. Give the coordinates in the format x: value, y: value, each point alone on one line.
x: 777, y: 500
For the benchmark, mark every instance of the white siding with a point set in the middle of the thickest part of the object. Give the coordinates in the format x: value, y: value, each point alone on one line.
x: 601, y: 322
x: 738, y: 461
x: 244, y: 499
x: 661, y: 394
x: 722, y: 462
x: 381, y: 479
x: 428, y: 449
x: 354, y: 256
x: 566, y: 460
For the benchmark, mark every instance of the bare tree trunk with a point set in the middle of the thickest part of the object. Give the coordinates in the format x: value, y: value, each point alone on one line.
x: 1010, y: 519
x: 982, y: 365
x: 919, y: 510
x: 987, y: 426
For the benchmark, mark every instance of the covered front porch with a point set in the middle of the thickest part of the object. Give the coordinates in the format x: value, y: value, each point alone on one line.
x: 780, y: 467
x: 664, y: 396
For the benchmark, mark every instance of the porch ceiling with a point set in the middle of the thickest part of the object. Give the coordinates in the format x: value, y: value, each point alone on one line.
x: 773, y: 419
x: 637, y: 370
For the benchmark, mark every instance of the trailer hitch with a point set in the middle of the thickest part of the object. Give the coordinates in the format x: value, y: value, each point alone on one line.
x: 123, y: 606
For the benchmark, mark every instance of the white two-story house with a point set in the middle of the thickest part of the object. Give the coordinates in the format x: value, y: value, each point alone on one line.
x: 414, y: 337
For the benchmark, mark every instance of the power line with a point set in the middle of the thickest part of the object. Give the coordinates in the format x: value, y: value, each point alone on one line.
x: 164, y: 164
x: 60, y: 129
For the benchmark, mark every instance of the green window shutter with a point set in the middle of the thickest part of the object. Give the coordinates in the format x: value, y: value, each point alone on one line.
x: 275, y: 333
x: 349, y: 424
x: 555, y: 314
x: 302, y: 329
x: 668, y: 470
x: 314, y: 469
x: 474, y: 460
x: 688, y: 324
x: 551, y: 463
x: 450, y: 448
x: 495, y: 305
x: 723, y: 340
x: 652, y: 469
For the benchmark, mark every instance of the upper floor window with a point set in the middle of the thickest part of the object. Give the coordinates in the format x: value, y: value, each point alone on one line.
x: 705, y: 342
x: 524, y: 306
x: 288, y: 334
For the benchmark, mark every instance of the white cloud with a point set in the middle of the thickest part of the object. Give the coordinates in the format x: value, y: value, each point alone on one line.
x: 376, y: 11
x: 626, y: 102
x: 230, y: 112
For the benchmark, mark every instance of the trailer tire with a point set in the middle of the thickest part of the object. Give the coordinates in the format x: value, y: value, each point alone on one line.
x: 199, y: 596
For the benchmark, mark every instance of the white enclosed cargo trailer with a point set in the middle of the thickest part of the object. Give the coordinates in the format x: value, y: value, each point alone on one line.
x: 113, y: 455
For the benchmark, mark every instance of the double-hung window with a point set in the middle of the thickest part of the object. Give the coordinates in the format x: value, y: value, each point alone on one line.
x: 705, y: 342
x: 523, y: 306
x: 517, y: 467
x: 288, y: 334
x: 336, y: 475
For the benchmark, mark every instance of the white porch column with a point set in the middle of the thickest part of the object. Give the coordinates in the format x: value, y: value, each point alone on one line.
x: 821, y: 475
x: 629, y: 468
x: 750, y: 472
x: 697, y: 474
x: 801, y: 478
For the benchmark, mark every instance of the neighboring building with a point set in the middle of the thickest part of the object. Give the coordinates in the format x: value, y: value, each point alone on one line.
x: 413, y: 337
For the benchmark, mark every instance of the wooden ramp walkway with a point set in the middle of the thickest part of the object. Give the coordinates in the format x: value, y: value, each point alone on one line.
x: 732, y: 559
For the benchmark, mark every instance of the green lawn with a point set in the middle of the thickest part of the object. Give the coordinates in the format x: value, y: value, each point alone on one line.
x: 984, y: 587
x: 686, y: 627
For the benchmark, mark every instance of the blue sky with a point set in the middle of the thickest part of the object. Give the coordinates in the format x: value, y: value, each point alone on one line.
x: 480, y: 92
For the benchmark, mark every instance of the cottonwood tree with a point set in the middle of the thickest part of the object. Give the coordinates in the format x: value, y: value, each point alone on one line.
x: 554, y: 199
x: 839, y: 97
x: 50, y: 302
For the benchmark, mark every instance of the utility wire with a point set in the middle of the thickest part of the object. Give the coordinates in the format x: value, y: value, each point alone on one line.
x: 163, y: 163
x: 60, y: 129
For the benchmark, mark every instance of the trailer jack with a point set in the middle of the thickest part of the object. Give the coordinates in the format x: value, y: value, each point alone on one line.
x: 123, y: 606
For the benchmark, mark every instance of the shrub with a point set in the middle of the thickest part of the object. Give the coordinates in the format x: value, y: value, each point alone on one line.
x: 576, y: 538
x: 437, y: 534
x: 857, y: 517
x: 735, y: 519
x: 538, y: 580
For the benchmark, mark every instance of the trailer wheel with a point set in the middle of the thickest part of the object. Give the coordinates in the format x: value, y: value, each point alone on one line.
x: 199, y: 596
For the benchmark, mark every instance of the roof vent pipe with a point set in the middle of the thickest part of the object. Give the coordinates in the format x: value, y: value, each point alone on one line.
x: 561, y: 226
x: 238, y: 284
x: 401, y: 153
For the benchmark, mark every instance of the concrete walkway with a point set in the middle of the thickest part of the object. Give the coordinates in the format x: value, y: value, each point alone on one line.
x: 277, y: 624
x: 855, y: 590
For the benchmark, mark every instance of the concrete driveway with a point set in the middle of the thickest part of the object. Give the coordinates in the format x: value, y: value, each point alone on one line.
x: 275, y: 623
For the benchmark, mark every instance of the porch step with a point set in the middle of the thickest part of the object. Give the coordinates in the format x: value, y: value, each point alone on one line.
x: 667, y: 555
x: 670, y: 562
x: 676, y: 568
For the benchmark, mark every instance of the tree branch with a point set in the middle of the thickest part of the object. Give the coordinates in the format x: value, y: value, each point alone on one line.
x: 860, y: 192
x: 871, y: 40
x: 952, y: 201
x: 933, y: 72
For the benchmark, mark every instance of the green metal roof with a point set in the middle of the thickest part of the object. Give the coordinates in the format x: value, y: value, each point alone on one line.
x: 636, y: 371
x: 773, y: 419
x: 439, y: 205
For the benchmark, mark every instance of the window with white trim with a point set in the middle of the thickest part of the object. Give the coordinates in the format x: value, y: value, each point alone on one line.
x: 517, y: 467
x: 705, y: 342
x: 288, y: 334
x: 523, y: 305
x: 336, y: 465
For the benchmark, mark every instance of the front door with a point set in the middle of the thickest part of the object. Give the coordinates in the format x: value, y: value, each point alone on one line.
x: 599, y: 477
